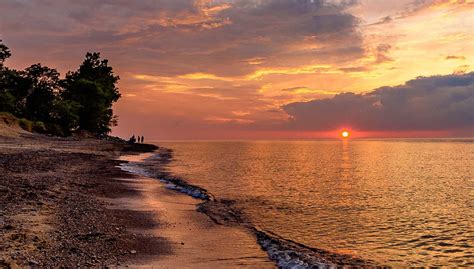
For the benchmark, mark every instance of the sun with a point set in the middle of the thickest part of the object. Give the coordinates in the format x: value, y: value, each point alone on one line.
x: 345, y: 134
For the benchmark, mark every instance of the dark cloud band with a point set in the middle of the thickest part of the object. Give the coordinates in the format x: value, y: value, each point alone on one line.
x: 425, y: 103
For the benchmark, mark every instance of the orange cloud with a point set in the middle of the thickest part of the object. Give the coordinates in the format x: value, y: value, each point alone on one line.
x: 288, y: 71
x: 454, y: 57
x: 204, y: 76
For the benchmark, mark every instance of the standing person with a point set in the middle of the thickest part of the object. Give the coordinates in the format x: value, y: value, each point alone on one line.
x: 132, y: 139
x: 143, y: 138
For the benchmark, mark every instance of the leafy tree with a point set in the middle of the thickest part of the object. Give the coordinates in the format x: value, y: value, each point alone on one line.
x: 45, y: 102
x: 13, y: 86
x: 81, y: 101
x: 4, y: 53
x: 44, y: 89
x: 7, y: 100
x: 93, y: 87
x: 66, y: 116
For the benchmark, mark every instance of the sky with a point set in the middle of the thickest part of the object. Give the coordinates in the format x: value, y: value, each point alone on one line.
x: 264, y: 69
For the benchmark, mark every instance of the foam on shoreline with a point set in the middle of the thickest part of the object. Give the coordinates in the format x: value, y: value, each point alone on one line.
x: 286, y: 257
x: 196, y: 240
x: 285, y: 253
x: 172, y: 183
x: 290, y: 254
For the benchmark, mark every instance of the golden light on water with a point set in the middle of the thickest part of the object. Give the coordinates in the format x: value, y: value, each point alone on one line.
x: 345, y: 134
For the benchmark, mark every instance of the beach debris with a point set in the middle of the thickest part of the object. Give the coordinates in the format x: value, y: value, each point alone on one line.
x: 33, y: 262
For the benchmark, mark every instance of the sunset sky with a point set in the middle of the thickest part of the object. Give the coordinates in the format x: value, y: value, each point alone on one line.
x: 264, y: 69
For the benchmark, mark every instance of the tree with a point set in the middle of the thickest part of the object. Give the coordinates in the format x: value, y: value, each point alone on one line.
x: 65, y: 116
x: 7, y: 100
x: 93, y: 88
x: 81, y: 101
x: 13, y: 85
x: 44, y: 89
x: 4, y: 53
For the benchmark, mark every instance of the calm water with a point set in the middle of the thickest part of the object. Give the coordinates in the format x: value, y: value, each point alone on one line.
x: 398, y: 202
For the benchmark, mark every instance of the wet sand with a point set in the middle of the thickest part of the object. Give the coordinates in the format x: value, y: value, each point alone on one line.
x: 197, y: 242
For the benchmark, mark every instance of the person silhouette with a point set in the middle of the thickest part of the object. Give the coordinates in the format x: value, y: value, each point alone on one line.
x: 143, y: 138
x: 132, y: 139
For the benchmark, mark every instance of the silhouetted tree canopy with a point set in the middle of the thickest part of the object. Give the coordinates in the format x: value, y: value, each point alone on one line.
x: 93, y: 86
x: 44, y: 89
x: 4, y: 53
x: 81, y: 101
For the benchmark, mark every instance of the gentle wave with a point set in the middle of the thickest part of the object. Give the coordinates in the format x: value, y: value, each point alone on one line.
x: 172, y: 183
x: 289, y: 254
x: 285, y: 253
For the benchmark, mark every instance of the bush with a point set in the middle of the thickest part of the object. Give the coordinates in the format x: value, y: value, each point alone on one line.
x: 55, y: 129
x: 5, y: 114
x: 8, y: 118
x: 39, y: 127
x: 26, y: 124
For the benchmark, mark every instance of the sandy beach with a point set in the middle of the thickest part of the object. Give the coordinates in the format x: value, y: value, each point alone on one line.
x: 52, y: 214
x: 66, y: 202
